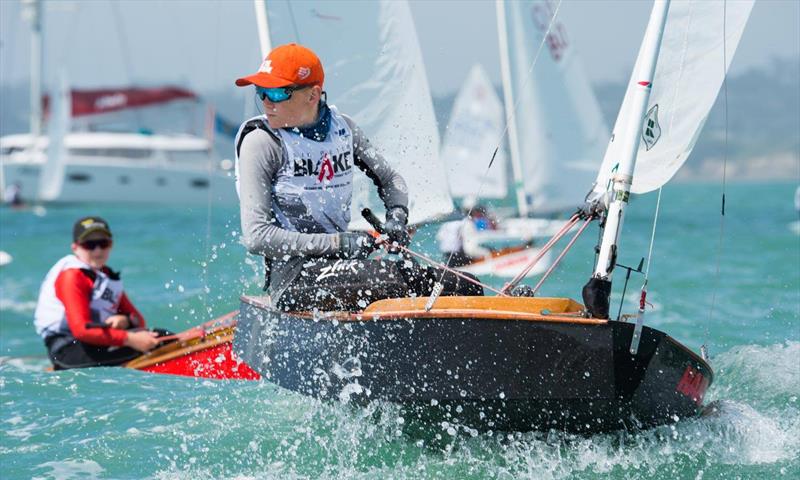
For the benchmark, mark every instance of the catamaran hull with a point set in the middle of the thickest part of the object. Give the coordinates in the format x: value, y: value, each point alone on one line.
x: 126, y: 182
x: 483, y: 374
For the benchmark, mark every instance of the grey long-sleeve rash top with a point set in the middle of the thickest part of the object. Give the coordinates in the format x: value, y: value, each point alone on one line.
x: 260, y: 157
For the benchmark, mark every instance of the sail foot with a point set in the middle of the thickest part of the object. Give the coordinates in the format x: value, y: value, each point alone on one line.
x: 596, y: 296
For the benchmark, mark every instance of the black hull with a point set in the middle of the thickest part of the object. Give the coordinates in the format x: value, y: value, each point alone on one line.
x: 485, y: 374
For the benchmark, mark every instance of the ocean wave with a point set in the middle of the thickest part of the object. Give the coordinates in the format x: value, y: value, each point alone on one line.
x: 758, y: 374
x: 72, y: 469
x: 11, y: 305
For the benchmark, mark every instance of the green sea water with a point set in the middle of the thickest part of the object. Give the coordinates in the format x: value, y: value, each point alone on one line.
x: 184, y: 266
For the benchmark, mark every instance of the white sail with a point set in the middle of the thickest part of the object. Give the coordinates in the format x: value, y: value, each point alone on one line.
x: 560, y: 128
x: 692, y: 64
x: 374, y: 72
x: 51, y: 176
x: 475, y: 128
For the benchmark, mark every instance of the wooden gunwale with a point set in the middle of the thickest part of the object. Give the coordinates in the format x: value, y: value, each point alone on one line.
x: 488, y: 308
x: 689, y: 352
x: 179, y: 349
x: 468, y: 313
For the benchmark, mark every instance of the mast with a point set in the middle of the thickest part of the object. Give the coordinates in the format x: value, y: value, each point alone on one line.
x: 263, y: 27
x: 599, y: 286
x: 34, y: 13
x: 508, y: 98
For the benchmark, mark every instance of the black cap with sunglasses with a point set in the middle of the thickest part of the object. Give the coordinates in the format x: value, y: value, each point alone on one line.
x: 88, y: 225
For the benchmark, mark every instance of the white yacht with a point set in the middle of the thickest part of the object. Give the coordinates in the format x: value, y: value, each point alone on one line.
x: 88, y: 152
x: 120, y: 167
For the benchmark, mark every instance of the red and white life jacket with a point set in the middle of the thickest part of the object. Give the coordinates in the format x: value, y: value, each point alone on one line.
x: 50, y: 318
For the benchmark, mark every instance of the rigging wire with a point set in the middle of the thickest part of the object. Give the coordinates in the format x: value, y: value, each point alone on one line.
x: 704, y: 347
x: 211, y: 113
x: 675, y: 101
x: 508, y: 119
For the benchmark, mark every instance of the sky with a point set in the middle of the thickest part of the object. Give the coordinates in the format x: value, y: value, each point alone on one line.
x: 205, y: 44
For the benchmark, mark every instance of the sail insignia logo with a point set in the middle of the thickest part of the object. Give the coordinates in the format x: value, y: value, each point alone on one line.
x: 651, y: 130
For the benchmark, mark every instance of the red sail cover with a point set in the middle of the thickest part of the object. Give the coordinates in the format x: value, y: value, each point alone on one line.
x: 93, y: 102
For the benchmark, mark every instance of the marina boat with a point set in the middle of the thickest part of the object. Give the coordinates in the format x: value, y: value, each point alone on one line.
x: 97, y: 148
x: 79, y: 162
x: 520, y: 363
x: 555, y: 129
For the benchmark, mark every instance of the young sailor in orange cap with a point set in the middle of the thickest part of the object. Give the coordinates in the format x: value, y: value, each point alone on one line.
x: 295, y: 166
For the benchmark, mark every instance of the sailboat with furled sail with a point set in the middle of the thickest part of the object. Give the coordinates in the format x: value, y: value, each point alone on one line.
x: 513, y: 361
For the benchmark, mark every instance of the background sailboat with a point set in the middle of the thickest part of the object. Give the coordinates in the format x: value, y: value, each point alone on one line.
x: 88, y: 156
x: 476, y: 124
x: 556, y: 133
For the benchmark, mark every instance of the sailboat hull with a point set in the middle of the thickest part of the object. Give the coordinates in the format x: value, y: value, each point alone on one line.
x: 509, y: 262
x: 505, y: 371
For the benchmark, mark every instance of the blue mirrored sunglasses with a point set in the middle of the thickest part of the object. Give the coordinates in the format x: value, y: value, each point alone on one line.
x: 279, y: 94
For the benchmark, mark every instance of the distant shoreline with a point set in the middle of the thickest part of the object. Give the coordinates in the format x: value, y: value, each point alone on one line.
x: 778, y: 167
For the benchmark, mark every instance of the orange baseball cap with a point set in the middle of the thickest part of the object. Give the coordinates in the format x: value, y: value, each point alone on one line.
x: 289, y: 64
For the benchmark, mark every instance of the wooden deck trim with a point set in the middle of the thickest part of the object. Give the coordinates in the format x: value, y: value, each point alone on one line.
x: 554, y: 305
x: 564, y: 310
x: 467, y: 313
x: 177, y: 349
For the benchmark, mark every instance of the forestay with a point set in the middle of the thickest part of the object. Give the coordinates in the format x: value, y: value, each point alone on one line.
x: 374, y: 73
x: 475, y: 127
x: 560, y: 128
x: 692, y: 64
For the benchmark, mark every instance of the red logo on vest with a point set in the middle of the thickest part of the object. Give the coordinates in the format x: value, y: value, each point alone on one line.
x: 325, y: 169
x: 693, y: 384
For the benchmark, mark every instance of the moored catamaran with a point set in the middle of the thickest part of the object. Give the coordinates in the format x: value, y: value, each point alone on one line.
x: 513, y: 361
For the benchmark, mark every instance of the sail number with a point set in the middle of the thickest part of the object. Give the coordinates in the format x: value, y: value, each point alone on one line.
x: 556, y: 39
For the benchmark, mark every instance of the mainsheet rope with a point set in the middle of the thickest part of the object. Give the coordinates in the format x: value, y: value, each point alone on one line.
x: 388, y: 246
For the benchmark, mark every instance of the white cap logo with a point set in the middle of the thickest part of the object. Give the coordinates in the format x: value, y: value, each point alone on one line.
x: 266, y: 67
x: 303, y: 72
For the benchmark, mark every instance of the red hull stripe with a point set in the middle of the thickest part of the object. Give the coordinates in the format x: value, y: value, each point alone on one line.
x: 216, y: 362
